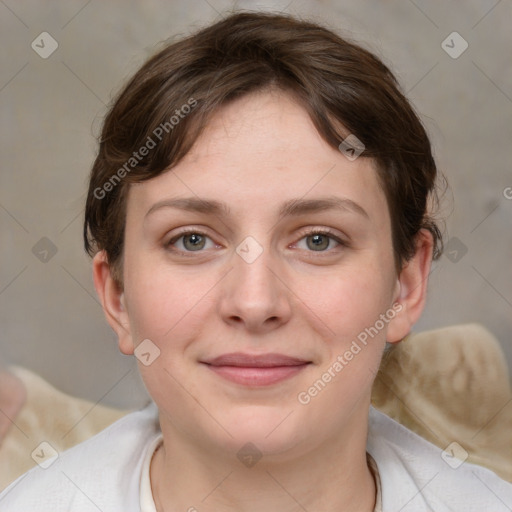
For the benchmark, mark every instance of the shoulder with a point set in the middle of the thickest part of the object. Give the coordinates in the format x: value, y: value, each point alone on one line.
x: 418, y: 476
x: 101, y: 473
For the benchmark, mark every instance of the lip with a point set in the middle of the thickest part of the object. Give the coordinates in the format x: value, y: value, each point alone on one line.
x: 256, y: 370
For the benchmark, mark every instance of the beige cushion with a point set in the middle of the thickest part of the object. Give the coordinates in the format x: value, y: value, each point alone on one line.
x: 48, y: 415
x: 452, y: 384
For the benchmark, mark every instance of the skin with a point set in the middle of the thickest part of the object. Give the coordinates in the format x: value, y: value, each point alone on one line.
x: 257, y: 153
x: 13, y: 397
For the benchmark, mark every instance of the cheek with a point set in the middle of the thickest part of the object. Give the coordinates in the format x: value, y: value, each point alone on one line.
x: 351, y: 306
x: 170, y: 311
x: 351, y: 300
x: 164, y: 303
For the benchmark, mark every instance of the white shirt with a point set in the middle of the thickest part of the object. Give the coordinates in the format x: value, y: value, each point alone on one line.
x: 147, y: 503
x: 110, y: 472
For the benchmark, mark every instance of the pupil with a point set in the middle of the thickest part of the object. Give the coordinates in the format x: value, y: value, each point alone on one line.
x: 195, y: 241
x: 319, y: 241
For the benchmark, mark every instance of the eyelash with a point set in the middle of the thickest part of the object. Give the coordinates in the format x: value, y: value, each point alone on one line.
x: 312, y: 232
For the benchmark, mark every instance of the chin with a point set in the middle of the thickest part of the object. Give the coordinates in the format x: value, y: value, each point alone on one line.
x: 269, y: 429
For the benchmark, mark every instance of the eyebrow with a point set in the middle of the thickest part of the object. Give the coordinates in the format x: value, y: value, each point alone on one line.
x: 291, y: 208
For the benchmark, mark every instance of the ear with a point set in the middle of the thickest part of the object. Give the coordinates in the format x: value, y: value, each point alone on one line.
x: 412, y: 288
x: 112, y: 301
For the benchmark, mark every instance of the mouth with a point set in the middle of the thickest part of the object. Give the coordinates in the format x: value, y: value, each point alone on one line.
x: 256, y: 370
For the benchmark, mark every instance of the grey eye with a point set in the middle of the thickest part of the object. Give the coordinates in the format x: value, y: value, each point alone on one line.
x: 318, y: 242
x: 194, y: 241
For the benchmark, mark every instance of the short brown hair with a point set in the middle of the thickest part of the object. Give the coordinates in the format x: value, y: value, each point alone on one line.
x: 344, y: 88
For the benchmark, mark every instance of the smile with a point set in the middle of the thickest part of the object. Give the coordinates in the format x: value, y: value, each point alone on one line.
x: 256, y: 370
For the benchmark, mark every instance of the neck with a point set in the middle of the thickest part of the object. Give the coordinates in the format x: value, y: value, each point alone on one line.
x: 331, y: 477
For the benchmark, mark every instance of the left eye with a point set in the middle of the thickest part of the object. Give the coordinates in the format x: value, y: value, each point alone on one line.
x: 319, y: 241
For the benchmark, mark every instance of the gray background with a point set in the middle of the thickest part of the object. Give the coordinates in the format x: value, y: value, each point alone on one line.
x: 51, y: 321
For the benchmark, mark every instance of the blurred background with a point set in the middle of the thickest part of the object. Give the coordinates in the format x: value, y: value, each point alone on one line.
x: 62, y: 62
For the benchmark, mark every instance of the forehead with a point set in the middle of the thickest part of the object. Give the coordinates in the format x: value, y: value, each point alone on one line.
x: 257, y: 153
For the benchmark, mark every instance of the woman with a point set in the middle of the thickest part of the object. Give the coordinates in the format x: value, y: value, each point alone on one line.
x: 259, y: 213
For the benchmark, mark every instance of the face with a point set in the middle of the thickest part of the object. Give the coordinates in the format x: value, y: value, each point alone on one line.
x: 261, y: 270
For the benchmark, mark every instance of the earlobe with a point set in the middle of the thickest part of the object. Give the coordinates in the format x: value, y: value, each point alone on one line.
x: 412, y: 288
x: 113, y: 302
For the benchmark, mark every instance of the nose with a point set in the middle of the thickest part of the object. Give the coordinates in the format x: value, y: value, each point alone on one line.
x: 255, y: 295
